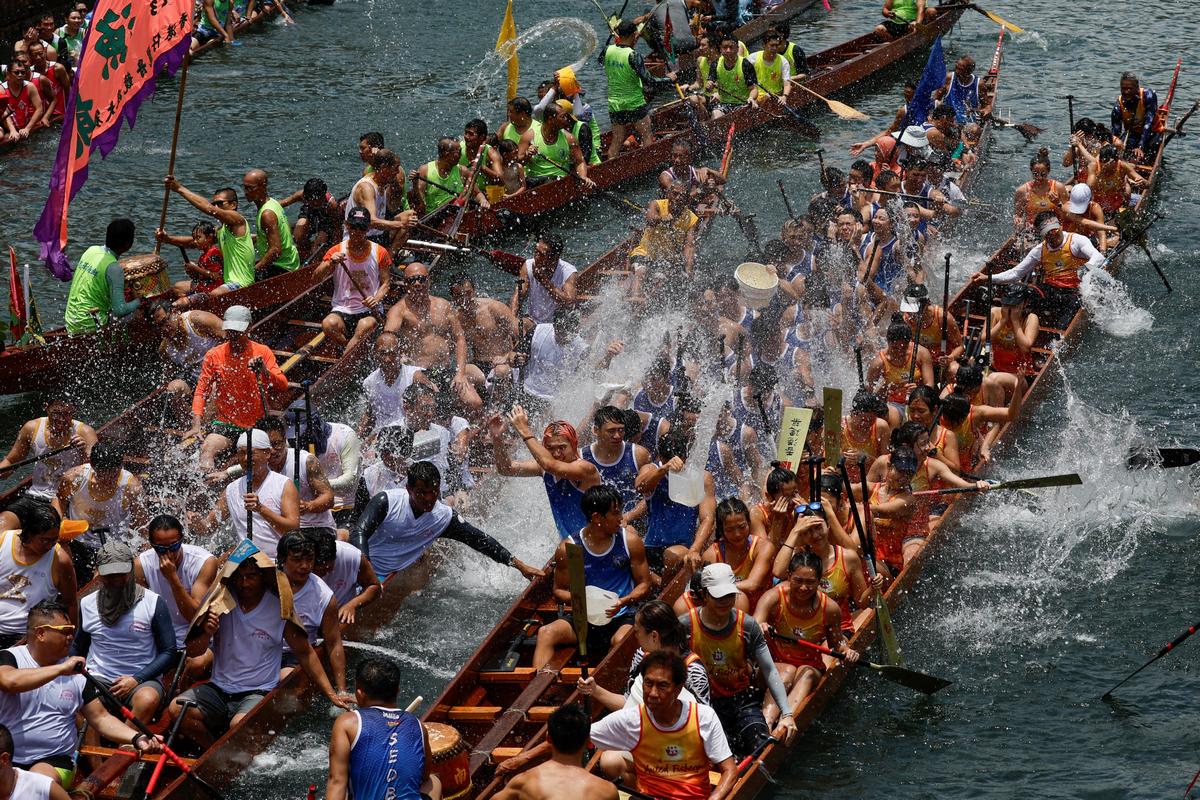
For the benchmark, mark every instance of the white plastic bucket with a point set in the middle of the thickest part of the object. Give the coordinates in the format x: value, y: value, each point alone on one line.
x: 686, y: 487
x: 599, y: 601
x: 757, y: 283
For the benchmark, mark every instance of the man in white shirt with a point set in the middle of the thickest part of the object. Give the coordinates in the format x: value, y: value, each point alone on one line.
x: 20, y: 784
x: 385, y: 386
x: 550, y: 281
x: 555, y: 353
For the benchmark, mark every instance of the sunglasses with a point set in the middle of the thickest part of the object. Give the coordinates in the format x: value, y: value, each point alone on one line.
x: 65, y: 630
x: 162, y: 549
x: 814, y: 507
x: 417, y: 279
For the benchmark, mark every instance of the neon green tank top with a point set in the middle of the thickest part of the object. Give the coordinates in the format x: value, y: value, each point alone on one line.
x: 704, y: 73
x: 624, y: 86
x: 467, y: 163
x: 905, y: 9
x: 731, y: 83
x: 540, y: 165
x: 590, y: 130
x: 770, y: 76
x: 288, y: 258
x: 89, y: 289
x: 436, y: 197
x: 513, y: 135
x: 220, y: 11
x: 790, y: 55
x: 238, y: 255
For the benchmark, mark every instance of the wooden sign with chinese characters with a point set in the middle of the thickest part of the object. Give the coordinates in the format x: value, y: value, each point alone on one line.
x: 792, y: 433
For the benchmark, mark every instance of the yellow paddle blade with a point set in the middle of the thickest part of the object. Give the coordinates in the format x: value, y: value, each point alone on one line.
x: 841, y: 109
x: 71, y: 529
x: 999, y: 20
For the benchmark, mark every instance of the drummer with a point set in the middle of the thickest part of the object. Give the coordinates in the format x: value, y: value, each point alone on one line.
x: 98, y: 286
x: 40, y: 437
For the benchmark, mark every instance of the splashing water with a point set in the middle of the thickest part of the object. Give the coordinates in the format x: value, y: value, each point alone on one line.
x: 485, y: 84
x: 1110, y: 306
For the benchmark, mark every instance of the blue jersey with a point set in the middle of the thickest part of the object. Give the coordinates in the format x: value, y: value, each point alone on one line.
x: 609, y: 570
x: 964, y: 98
x: 658, y: 412
x: 387, y: 759
x: 722, y: 484
x: 620, y: 474
x: 670, y: 523
x: 890, y: 270
x: 565, y: 499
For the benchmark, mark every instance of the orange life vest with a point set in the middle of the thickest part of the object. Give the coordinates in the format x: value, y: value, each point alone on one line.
x: 725, y: 657
x: 1060, y: 267
x: 672, y: 764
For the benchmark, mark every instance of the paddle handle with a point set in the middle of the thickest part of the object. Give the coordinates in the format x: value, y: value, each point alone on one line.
x: 818, y: 647
x: 35, y: 459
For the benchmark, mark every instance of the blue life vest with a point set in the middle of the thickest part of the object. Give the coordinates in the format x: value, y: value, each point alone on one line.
x: 388, y: 756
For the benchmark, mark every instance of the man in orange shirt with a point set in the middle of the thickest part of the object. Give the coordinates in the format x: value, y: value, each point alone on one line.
x: 227, y: 400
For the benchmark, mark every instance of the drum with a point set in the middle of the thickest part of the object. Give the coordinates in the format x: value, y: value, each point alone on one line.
x: 145, y: 276
x: 450, y: 761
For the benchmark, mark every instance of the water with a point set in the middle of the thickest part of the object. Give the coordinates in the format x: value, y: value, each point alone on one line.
x: 1033, y: 608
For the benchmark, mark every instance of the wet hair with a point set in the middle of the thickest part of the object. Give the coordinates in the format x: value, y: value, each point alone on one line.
x: 867, y: 402
x: 205, y: 228
x: 926, y: 393
x: 1129, y: 76
x: 569, y: 728
x: 1108, y: 152
x: 119, y: 236
x: 672, y: 661
x: 831, y: 484
x: 955, y: 409
x: 385, y: 158
x: 414, y: 392
x: 626, y: 28
x: 507, y: 147
x: 806, y: 558
x: 373, y: 139
x: 864, y: 168
x: 728, y: 506
x: 164, y: 522
x: 773, y: 36
x: 476, y: 126
x: 395, y: 439
x: 295, y: 543
x: 34, y: 516
x: 778, y: 476
x: 607, y: 414
x: 818, y: 418
x: 521, y: 105
x: 458, y: 279
x: 1084, y: 125
x: 156, y: 305
x: 315, y: 189
x: 658, y: 617
x: 673, y: 443
x: 600, y: 499
x: 686, y: 403
x: 763, y: 377
x: 378, y: 678
x: 943, y: 112
x: 554, y: 242
x: 968, y: 377
x: 228, y: 192
x: 899, y: 332
x: 1041, y: 157
x: 902, y: 453
x: 426, y: 473
x: 271, y: 424
x: 632, y: 421
x: 566, y: 319
x: 833, y: 177
x: 325, y: 541
x: 823, y: 209
x: 907, y: 435
x: 44, y: 612
x: 447, y: 145
x: 886, y: 176
x: 106, y: 456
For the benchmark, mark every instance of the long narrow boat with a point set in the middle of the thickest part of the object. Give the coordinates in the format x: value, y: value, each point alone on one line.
x: 238, y: 29
x: 757, y: 27
x: 64, y: 358
x: 501, y: 712
x: 832, y: 70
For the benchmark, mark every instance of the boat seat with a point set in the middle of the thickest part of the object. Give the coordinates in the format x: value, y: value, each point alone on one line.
x: 286, y: 354
x: 502, y: 754
x: 540, y: 713
x: 106, y: 752
x: 473, y: 713
x: 521, y: 674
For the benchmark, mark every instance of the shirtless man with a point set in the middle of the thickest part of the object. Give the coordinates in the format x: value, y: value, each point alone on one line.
x: 428, y: 328
x: 490, y: 328
x: 562, y: 776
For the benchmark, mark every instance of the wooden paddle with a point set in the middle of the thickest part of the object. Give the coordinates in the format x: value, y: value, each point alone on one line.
x: 996, y: 18
x: 579, y: 618
x: 901, y: 675
x: 1168, y: 647
x: 831, y: 400
x: 1163, y: 457
x: 26, y: 462
x: 787, y: 203
x: 841, y: 109
x: 806, y: 127
x: 887, y: 633
x: 304, y: 352
x: 1070, y: 479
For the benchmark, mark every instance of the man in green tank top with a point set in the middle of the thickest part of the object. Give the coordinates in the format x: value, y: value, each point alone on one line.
x: 275, y: 252
x: 233, y: 237
x: 438, y: 182
x: 214, y: 23
x: 98, y: 285
x: 551, y: 152
x: 586, y: 134
x: 628, y: 80
x: 732, y: 76
x: 475, y: 134
x: 898, y: 17
x: 520, y: 119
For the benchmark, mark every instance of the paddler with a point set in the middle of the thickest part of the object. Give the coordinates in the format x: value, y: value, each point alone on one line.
x: 179, y: 572
x: 379, y: 750
x: 1038, y: 195
x: 1133, y: 120
x: 617, y: 460
x: 675, y: 533
x: 700, y: 182
x: 865, y: 429
x: 548, y: 151
x: 34, y: 566
x: 1014, y: 333
x: 347, y: 572
x: 42, y: 692
x: 362, y: 278
x: 384, y: 387
x: 315, y: 606
x: 43, y: 435
x: 568, y: 731
x: 584, y: 128
x: 889, y: 369
x: 731, y: 76
x: 772, y: 73
x: 377, y: 192
x: 206, y: 275
x: 97, y: 293
x: 475, y: 137
x: 440, y: 181
x: 214, y: 23
x: 546, y: 280
x: 918, y: 311
x: 667, y: 249
x: 628, y: 80
x: 399, y: 525
x: 520, y: 121
x: 899, y: 17
x: 587, y: 135
x: 233, y: 237
x: 961, y: 92
x: 900, y: 531
x: 1082, y: 214
x: 792, y: 52
x: 731, y: 643
x: 274, y: 251
x: 186, y: 337
x: 556, y: 461
x: 491, y: 330
x: 976, y: 427
x: 749, y: 556
x: 247, y: 644
x: 22, y: 101
x: 316, y: 495
x: 614, y: 560
x: 1060, y: 259
x: 1113, y: 180
x: 20, y: 784
x: 369, y: 144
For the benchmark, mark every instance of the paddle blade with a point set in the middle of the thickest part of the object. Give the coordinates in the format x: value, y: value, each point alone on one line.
x: 1164, y: 458
x: 507, y: 261
x: 575, y: 579
x: 887, y: 632
x: 999, y: 20
x: 911, y: 678
x: 1071, y: 479
x: 1028, y: 130
x: 844, y: 111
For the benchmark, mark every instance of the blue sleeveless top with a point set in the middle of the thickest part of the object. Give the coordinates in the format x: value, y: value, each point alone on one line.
x: 963, y: 99
x: 608, y: 570
x: 388, y: 756
x: 642, y: 402
x: 722, y: 484
x: 670, y: 523
x: 620, y: 475
x: 564, y: 499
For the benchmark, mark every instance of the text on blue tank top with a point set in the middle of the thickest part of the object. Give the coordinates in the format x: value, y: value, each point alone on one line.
x: 565, y: 498
x: 388, y: 756
x: 722, y: 484
x: 659, y: 412
x: 609, y: 570
x: 620, y: 475
x: 670, y: 523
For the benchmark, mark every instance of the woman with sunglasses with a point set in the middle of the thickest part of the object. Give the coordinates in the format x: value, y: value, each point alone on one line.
x: 747, y: 555
x: 177, y: 571
x: 1040, y: 193
x: 771, y: 519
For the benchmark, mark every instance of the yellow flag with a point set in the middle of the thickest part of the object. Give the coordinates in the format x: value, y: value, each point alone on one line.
x: 506, y: 43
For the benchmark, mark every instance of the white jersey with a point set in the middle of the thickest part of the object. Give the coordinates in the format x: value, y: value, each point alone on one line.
x: 125, y: 648
x: 342, y: 579
x: 342, y: 450
x: 550, y: 363
x: 31, y: 785
x: 402, y: 538
x: 310, y: 602
x: 347, y: 297
x: 42, y: 720
x: 270, y: 494
x: 386, y: 399
x: 247, y: 647
x: 542, y: 304
x: 318, y: 519
x: 190, y: 356
x: 378, y: 478
x: 109, y: 514
x: 380, y: 203
x: 22, y: 586
x: 190, y: 564
x: 47, y: 472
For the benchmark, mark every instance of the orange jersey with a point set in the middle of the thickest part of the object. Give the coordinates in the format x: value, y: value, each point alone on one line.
x: 234, y: 385
x: 729, y: 668
x: 797, y: 623
x: 672, y: 764
x: 835, y: 582
x: 741, y: 570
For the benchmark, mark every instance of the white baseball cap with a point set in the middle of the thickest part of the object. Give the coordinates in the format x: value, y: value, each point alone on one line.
x: 237, y: 318
x: 718, y: 580
x: 915, y: 137
x: 1049, y: 224
x: 258, y: 438
x: 1081, y: 198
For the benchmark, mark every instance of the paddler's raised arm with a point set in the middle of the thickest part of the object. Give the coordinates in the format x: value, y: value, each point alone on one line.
x: 368, y: 522
x: 461, y: 531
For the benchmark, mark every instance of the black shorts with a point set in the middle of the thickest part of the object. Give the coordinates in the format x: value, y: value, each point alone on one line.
x: 629, y: 117
x: 219, y: 707
x: 742, y: 718
x: 1056, y: 306
x: 896, y: 28
x: 203, y: 34
x: 599, y: 638
x: 351, y: 320
x: 91, y: 693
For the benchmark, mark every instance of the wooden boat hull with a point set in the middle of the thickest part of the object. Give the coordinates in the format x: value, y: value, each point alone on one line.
x: 755, y: 29
x: 832, y: 70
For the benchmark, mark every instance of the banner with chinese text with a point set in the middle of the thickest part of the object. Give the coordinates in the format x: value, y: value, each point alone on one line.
x: 128, y: 44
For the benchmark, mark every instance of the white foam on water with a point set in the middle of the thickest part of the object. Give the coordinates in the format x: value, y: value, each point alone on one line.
x: 1110, y: 306
x: 1032, y: 37
x: 401, y: 656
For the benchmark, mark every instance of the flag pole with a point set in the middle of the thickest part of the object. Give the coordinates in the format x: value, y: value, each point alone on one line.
x: 162, y: 219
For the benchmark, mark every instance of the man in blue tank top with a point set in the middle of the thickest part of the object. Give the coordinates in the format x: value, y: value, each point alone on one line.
x: 555, y: 460
x: 676, y: 532
x: 379, y: 750
x: 617, y: 460
x: 613, y: 560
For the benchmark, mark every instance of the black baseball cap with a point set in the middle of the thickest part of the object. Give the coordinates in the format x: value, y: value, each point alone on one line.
x: 358, y: 217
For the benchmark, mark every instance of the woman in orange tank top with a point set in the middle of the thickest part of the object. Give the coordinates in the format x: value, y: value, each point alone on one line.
x: 771, y: 519
x: 976, y: 427
x: 1111, y: 181
x: 1040, y: 193
x: 922, y: 402
x: 864, y: 430
x: 748, y: 556
x: 1014, y: 332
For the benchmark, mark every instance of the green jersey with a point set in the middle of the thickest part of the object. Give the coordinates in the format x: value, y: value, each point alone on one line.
x: 89, y: 289
x: 905, y: 10
x: 288, y: 258
x: 238, y: 254
x: 625, y: 92
x: 545, y: 161
x: 435, y: 196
